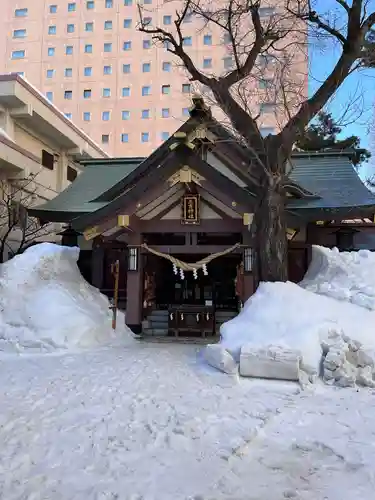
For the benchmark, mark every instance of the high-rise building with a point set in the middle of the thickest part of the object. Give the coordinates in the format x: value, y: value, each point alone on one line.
x: 90, y: 60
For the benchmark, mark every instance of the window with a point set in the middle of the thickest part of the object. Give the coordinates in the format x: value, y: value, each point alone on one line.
x: 88, y: 48
x: 265, y: 83
x: 124, y: 137
x: 70, y: 28
x: 167, y: 45
x: 87, y: 94
x: 167, y: 66
x: 68, y: 94
x: 187, y: 41
x: 266, y: 11
x: 147, y: 2
x: 228, y: 62
x: 165, y: 89
x: 128, y: 3
x: 146, y: 90
x: 165, y: 113
x: 68, y: 116
x: 90, y: 4
x: 50, y: 73
x: 18, y: 54
x: 52, y: 30
x: 108, y: 4
x: 127, y: 23
x: 19, y: 33
x: 207, y: 63
x: 49, y: 96
x: 266, y: 131
x: 20, y: 73
x: 186, y: 88
x: 108, y: 25
x: 185, y: 111
x: 71, y: 174
x: 106, y: 92
x: 125, y: 92
x: 127, y: 45
x: 145, y: 113
x: 266, y: 59
x: 167, y: 20
x: 21, y: 12
x: 105, y: 138
x: 227, y: 38
x: 107, y: 47
x: 53, y: 9
x: 71, y: 7
x: 51, y: 51
x: 68, y: 72
x: 86, y: 116
x: 207, y: 40
x: 145, y: 136
x: 267, y: 107
x: 126, y: 68
x: 48, y: 160
x: 146, y: 67
x: 106, y: 116
x: 147, y: 21
x: 87, y: 71
x: 125, y: 114
x: 164, y: 136
x: 69, y: 50
x: 89, y: 27
x: 188, y: 17
x: 146, y: 44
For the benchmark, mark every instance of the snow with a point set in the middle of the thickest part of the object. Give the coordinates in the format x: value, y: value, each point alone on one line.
x: 153, y: 422
x: 45, y: 304
x: 328, y: 318
x: 138, y: 421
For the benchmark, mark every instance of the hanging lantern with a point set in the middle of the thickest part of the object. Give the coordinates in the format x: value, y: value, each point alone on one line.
x: 182, y: 275
x: 195, y: 274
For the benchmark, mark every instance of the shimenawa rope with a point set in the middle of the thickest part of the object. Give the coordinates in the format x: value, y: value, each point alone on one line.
x: 187, y: 266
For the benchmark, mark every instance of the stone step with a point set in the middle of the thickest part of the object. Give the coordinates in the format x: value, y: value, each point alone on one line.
x: 156, y: 331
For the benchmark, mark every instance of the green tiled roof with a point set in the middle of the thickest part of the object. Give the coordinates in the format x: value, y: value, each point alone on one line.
x: 333, y: 178
x: 97, y: 177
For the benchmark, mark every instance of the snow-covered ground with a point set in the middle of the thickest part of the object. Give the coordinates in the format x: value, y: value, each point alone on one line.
x: 153, y: 422
x: 88, y: 413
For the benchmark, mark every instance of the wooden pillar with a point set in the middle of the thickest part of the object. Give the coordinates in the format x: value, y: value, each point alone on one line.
x: 248, y: 286
x: 97, y: 265
x: 134, y: 289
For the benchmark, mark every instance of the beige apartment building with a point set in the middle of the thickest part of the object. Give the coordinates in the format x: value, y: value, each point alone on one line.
x: 89, y: 59
x: 40, y: 150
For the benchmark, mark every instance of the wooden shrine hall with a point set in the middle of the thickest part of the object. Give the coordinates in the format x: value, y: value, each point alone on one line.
x: 178, y: 224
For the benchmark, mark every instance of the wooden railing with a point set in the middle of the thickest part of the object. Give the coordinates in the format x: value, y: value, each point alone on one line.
x: 191, y: 320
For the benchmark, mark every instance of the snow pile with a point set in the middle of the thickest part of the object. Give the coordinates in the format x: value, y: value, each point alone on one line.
x: 347, y: 276
x: 46, y: 304
x: 283, y: 322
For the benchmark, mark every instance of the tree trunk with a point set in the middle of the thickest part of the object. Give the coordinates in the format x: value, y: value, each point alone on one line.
x: 271, y: 236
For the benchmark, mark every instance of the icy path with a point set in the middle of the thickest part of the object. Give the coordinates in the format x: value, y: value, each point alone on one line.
x: 152, y: 423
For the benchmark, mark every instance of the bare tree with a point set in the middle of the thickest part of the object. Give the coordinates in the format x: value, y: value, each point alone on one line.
x: 17, y: 230
x: 254, y: 41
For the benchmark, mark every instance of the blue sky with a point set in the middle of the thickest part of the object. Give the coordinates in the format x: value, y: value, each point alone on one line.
x: 357, y: 93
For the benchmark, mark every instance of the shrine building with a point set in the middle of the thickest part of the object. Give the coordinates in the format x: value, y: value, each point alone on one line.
x: 179, y: 223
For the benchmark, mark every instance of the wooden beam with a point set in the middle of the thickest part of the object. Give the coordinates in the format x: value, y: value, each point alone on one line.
x: 239, y: 208
x: 191, y: 249
x: 205, y: 226
x: 222, y: 182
